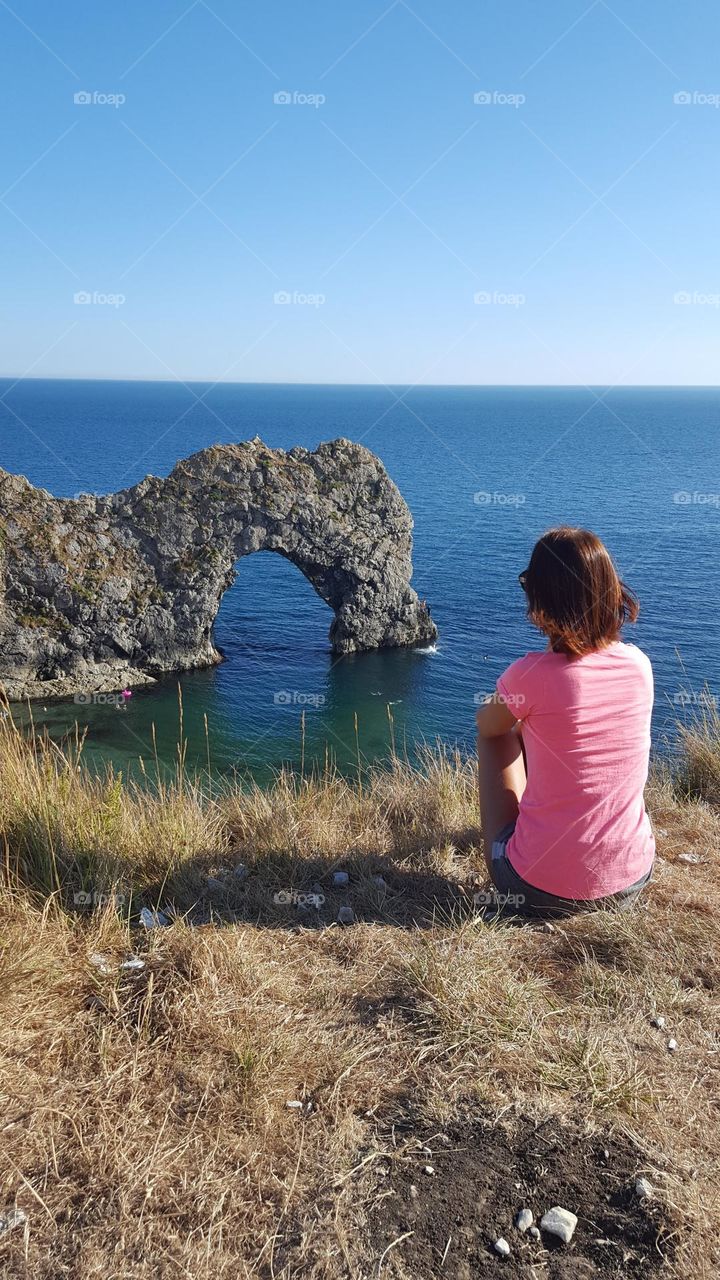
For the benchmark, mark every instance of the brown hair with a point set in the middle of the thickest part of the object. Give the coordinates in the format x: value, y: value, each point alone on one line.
x: 574, y: 593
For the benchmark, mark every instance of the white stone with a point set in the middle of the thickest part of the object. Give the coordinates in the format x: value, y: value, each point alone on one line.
x: 672, y: 1045
x: 658, y: 1022
x: 133, y: 963
x: 534, y: 1232
x: 429, y: 1169
x: 524, y: 1220
x: 153, y: 919
x: 414, y: 1193
x: 294, y: 1105
x: 502, y: 1247
x: 643, y: 1189
x: 13, y: 1218
x: 340, y: 877
x: 559, y: 1222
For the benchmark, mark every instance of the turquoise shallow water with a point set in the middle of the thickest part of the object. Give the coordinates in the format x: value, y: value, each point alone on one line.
x: 484, y: 471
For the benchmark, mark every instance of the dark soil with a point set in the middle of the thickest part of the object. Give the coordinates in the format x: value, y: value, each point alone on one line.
x: 484, y: 1174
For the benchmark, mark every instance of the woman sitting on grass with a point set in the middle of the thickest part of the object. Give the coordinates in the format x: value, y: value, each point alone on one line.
x: 563, y: 746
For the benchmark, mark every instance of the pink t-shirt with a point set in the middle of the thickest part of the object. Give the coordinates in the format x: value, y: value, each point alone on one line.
x: 582, y: 830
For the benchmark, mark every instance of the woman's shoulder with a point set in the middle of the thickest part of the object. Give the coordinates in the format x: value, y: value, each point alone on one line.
x: 631, y: 653
x: 527, y: 674
x: 636, y: 659
x: 527, y: 662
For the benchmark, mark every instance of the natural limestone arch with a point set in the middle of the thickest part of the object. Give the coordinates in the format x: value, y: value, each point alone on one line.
x: 98, y: 592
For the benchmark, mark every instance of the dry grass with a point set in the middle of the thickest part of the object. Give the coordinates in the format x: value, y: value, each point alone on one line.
x: 144, y: 1125
x: 700, y: 738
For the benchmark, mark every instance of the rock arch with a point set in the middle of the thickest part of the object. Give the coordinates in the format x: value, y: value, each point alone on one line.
x: 101, y: 591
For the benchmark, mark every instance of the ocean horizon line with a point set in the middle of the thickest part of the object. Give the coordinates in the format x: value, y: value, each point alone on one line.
x: 408, y: 386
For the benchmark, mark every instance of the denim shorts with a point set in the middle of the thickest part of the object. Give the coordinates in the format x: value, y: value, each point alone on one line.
x: 515, y: 894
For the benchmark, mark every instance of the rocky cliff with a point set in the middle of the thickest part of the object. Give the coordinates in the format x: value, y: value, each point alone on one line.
x: 97, y: 592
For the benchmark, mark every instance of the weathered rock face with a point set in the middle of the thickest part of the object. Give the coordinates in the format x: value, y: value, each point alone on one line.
x: 99, y: 592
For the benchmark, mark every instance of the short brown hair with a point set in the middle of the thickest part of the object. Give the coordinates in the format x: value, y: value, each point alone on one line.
x: 574, y: 593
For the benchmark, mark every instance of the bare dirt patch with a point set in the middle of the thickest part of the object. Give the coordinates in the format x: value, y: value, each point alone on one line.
x: 484, y: 1174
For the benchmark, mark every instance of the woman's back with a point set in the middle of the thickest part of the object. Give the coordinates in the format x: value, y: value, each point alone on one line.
x: 582, y: 830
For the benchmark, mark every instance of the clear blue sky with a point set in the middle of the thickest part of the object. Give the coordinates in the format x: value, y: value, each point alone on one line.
x: 396, y: 200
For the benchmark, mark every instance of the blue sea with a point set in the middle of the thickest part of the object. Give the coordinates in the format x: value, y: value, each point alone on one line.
x: 484, y: 471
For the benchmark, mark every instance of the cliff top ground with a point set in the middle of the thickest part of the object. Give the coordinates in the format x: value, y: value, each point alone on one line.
x: 275, y: 1095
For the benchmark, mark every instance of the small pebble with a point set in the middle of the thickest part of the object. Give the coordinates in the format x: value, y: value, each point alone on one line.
x: 153, y: 919
x: 658, y: 1022
x: 346, y: 915
x: 524, y: 1220
x: 672, y: 1045
x: 559, y: 1222
x: 429, y: 1169
x: 340, y: 877
x: 643, y: 1189
x: 606, y: 1153
x: 133, y: 963
x: 502, y: 1247
x: 13, y: 1218
x: 294, y: 1105
x: 535, y: 1233
x: 548, y: 927
x: 414, y: 1193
